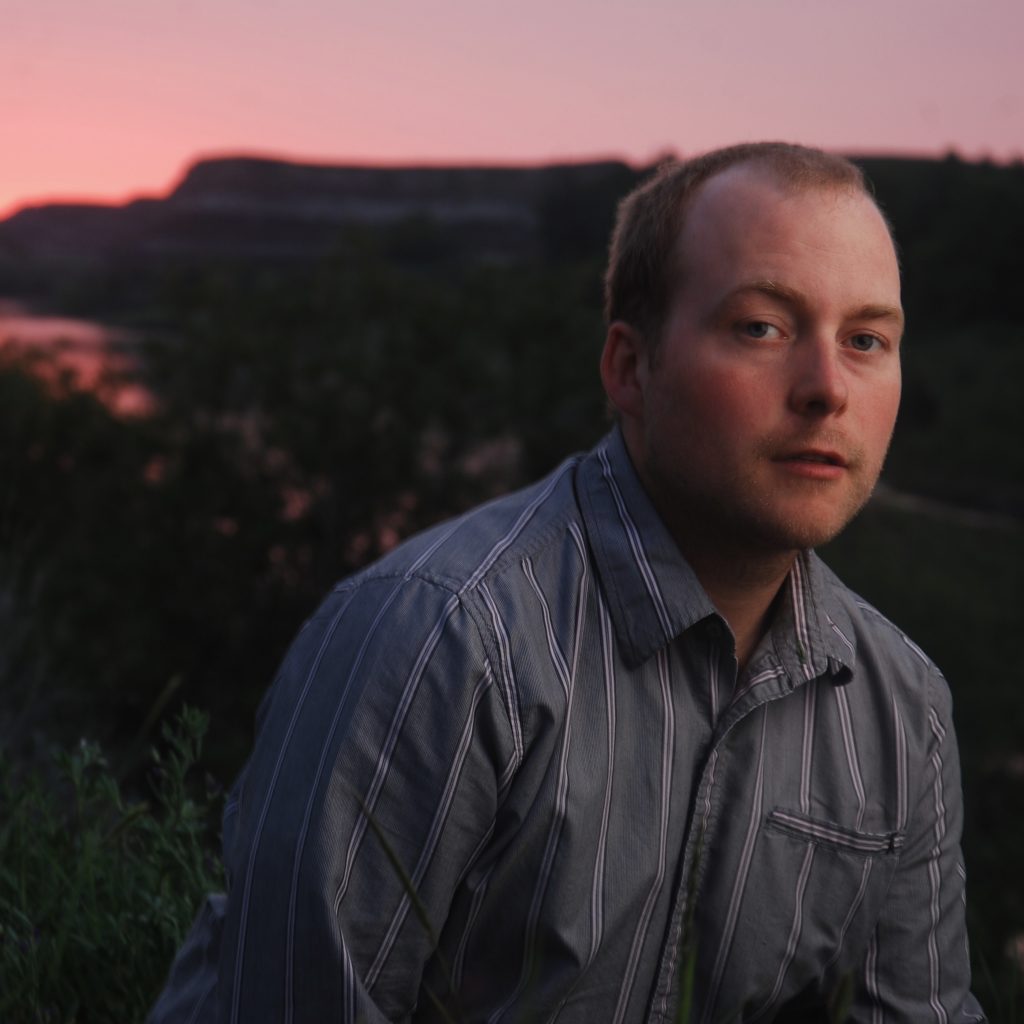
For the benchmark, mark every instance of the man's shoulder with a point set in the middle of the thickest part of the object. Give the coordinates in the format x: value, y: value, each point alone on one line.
x: 459, y: 554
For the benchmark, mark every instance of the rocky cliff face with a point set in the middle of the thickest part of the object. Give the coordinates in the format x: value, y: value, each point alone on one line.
x: 251, y: 208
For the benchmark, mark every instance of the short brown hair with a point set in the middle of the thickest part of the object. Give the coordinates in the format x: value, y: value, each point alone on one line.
x: 638, y: 284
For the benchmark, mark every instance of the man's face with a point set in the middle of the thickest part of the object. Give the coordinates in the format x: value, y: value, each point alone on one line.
x: 766, y: 408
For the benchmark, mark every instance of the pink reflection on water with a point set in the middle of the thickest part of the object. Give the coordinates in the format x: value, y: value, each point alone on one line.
x: 79, y: 354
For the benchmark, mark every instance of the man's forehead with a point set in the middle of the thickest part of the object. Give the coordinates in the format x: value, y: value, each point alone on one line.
x: 752, y: 192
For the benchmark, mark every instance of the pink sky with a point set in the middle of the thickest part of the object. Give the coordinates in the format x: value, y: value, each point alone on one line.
x: 111, y: 98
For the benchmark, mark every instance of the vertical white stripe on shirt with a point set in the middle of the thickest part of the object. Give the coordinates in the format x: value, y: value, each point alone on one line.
x: 871, y: 979
x: 851, y: 914
x: 388, y: 747
x: 714, y: 656
x: 507, y: 676
x: 746, y: 854
x: 796, y: 584
x: 561, y: 799
x: 597, y: 892
x: 902, y: 768
x: 679, y: 939
x: 939, y: 733
x: 476, y: 903
x: 636, y: 545
x: 433, y: 836
x: 794, y: 933
x: 807, y: 749
x: 236, y: 987
x: 667, y: 757
x: 842, y: 636
x: 349, y: 986
x: 850, y: 746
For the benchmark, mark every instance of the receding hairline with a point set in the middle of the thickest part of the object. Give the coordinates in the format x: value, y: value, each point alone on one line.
x: 790, y: 179
x: 786, y: 179
x: 766, y: 171
x: 798, y: 167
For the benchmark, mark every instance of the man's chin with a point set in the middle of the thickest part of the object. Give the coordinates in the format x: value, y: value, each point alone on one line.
x: 797, y: 532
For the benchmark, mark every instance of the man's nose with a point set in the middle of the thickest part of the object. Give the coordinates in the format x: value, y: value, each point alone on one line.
x: 818, y: 384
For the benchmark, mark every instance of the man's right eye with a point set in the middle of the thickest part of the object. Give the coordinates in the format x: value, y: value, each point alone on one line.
x: 761, y: 330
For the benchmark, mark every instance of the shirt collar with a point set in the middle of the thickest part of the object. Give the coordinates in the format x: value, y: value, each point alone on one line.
x: 812, y: 634
x: 653, y: 595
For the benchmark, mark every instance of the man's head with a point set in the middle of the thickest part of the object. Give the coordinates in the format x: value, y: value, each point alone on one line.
x: 753, y: 345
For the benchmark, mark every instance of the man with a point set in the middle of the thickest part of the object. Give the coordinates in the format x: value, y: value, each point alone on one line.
x: 620, y: 747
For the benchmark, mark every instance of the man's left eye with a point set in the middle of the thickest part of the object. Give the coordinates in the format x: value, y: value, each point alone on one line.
x: 864, y: 342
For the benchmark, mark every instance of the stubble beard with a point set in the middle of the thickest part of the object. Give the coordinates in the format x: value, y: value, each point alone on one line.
x: 741, y: 518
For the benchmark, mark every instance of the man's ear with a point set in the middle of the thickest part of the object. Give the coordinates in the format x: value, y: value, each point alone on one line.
x: 624, y: 369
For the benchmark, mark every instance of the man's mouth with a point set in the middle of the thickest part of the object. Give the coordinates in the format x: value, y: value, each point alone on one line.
x: 814, y: 455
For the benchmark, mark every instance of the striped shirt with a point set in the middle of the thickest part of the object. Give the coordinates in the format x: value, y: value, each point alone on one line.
x: 510, y: 774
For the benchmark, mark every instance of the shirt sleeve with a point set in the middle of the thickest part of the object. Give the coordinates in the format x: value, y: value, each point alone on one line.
x: 917, y: 967
x: 372, y: 787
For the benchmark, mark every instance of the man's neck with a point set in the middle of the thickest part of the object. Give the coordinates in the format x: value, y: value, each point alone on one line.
x: 744, y: 592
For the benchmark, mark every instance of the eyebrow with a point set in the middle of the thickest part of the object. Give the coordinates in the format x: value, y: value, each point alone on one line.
x: 773, y: 290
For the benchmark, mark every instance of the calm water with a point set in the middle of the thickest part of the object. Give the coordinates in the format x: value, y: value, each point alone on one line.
x: 94, y: 355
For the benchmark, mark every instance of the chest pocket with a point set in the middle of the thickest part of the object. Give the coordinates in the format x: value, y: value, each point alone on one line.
x: 830, y: 877
x: 811, y: 902
x: 823, y: 886
x: 826, y: 833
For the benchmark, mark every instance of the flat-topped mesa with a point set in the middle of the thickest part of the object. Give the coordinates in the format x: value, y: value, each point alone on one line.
x: 256, y: 208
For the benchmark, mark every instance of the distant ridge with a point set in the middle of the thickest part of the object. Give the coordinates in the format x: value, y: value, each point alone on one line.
x: 252, y: 207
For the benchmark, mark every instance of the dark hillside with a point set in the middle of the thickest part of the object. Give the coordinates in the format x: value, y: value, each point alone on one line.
x: 960, y: 228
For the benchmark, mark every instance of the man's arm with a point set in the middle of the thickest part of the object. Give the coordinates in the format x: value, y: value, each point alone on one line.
x: 372, y: 786
x: 917, y: 968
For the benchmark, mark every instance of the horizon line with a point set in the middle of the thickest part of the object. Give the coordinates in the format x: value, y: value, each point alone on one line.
x: 124, y: 198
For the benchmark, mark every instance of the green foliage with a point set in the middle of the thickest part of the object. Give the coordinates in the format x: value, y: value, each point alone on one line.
x: 121, y: 562
x: 96, y: 890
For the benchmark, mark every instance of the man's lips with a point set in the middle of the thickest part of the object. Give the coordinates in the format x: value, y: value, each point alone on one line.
x: 815, y: 456
x: 820, y: 465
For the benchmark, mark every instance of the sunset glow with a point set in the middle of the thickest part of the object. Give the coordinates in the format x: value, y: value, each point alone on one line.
x: 114, y: 98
